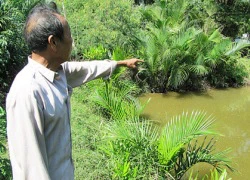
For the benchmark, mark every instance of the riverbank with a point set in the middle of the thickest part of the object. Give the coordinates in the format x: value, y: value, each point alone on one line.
x: 248, y: 81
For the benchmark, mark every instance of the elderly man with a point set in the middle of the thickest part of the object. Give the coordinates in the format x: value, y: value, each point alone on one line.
x: 38, y: 105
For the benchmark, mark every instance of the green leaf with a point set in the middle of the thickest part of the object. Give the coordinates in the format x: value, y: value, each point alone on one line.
x: 180, y: 131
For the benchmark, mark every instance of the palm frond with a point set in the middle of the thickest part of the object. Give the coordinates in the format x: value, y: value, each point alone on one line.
x: 237, y: 47
x: 136, y: 138
x: 220, y: 48
x: 178, y: 76
x: 177, y: 10
x: 152, y: 52
x: 181, y: 130
x: 154, y: 14
x: 216, y: 176
x: 215, y: 54
x: 202, y: 42
x: 199, y: 69
x: 215, y: 37
x: 117, y: 101
x: 201, y: 153
x: 186, y: 36
x: 133, y: 130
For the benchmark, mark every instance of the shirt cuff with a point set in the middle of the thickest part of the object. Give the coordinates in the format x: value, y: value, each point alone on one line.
x: 113, y: 65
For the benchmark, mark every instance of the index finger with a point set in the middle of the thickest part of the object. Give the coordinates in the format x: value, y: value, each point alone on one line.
x: 140, y: 60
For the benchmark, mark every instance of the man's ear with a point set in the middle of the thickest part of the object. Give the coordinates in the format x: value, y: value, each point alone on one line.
x: 52, y: 42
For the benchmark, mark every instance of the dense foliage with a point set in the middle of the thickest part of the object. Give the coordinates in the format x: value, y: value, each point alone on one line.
x: 185, y: 50
x: 13, y: 51
x: 10, y: 44
x: 234, y: 16
x: 169, y: 31
x: 181, y: 41
x: 108, y: 23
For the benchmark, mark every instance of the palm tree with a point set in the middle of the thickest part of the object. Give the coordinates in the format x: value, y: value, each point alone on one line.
x: 169, y: 39
x: 180, y: 48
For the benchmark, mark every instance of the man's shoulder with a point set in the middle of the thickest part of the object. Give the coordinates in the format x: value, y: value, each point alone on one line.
x: 24, y: 81
x: 24, y: 87
x: 24, y: 77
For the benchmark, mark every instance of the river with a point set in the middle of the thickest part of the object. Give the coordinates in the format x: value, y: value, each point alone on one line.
x: 231, y: 109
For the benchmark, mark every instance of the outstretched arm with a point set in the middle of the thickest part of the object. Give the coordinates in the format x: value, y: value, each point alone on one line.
x: 78, y: 73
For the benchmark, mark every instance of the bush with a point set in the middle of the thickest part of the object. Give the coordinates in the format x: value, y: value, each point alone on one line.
x: 233, y: 17
x: 13, y: 51
x: 109, y: 23
x: 229, y: 72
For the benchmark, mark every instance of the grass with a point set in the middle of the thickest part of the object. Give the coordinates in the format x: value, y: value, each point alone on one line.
x: 85, y: 126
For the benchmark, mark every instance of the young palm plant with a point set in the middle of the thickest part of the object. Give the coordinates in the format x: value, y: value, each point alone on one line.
x: 139, y: 149
x: 132, y: 149
x: 181, y: 130
x: 116, y: 100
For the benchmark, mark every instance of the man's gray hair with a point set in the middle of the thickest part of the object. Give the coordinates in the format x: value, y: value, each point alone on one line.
x: 42, y: 22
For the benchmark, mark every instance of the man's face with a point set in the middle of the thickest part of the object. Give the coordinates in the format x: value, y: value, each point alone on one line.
x: 65, y: 46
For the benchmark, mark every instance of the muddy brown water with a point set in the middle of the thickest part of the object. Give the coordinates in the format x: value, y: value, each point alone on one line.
x: 231, y: 110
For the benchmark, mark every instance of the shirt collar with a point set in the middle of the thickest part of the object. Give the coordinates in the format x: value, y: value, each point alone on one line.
x: 47, y: 73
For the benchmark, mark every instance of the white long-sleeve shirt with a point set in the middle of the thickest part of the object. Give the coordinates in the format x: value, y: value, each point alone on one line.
x: 38, y: 118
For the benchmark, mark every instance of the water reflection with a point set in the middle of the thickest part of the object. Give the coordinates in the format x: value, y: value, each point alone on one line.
x: 230, y: 107
x: 244, y: 147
